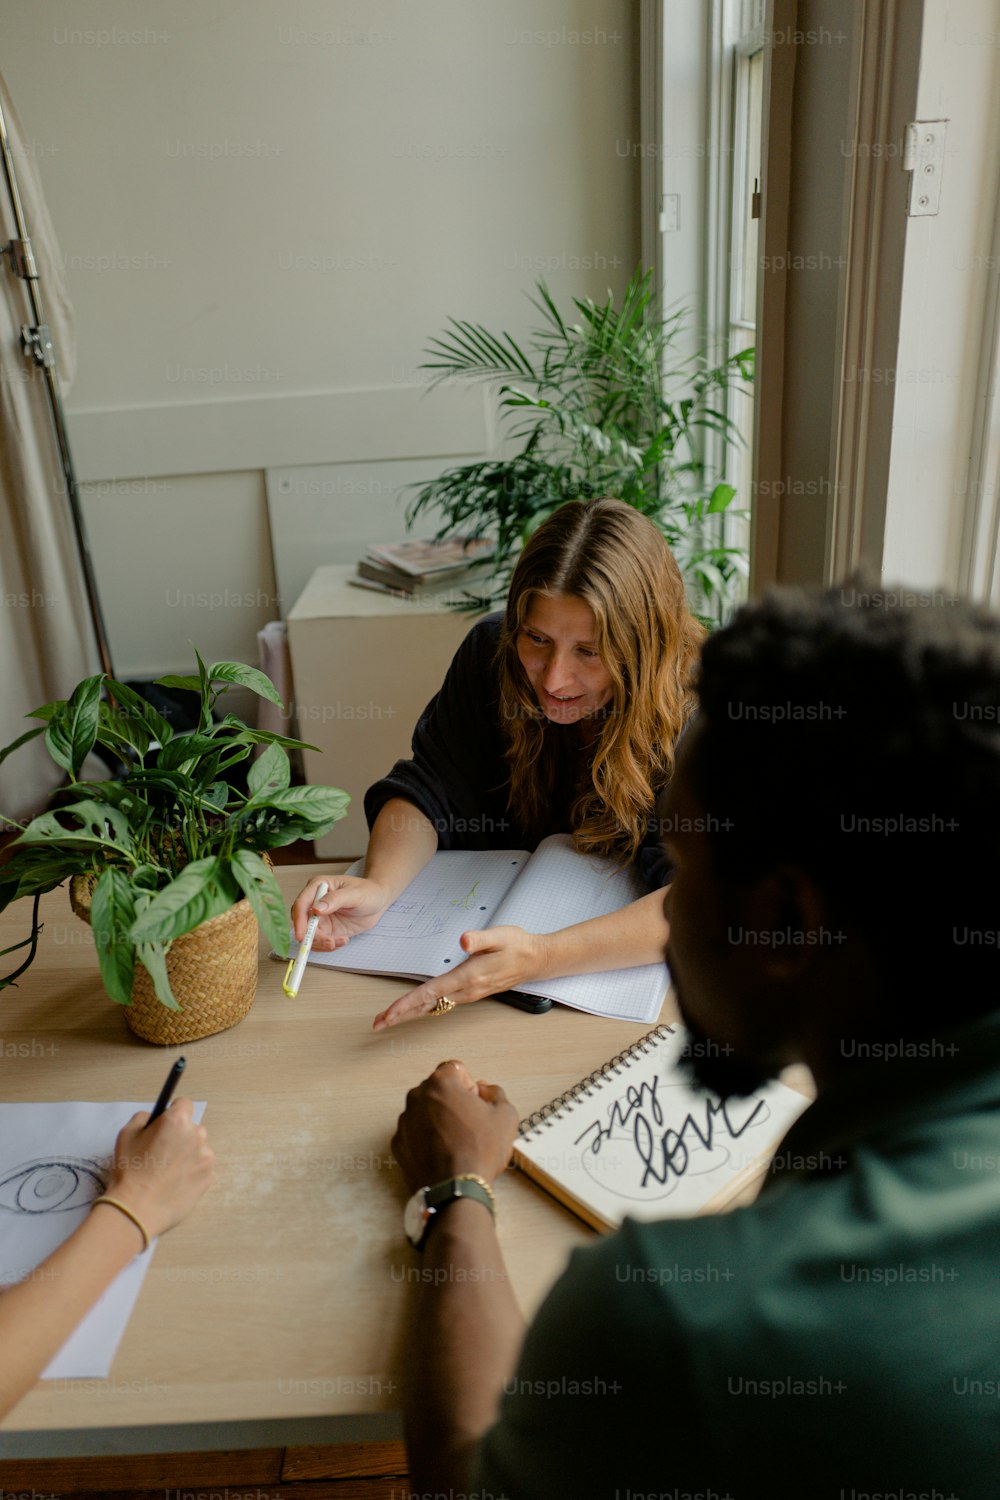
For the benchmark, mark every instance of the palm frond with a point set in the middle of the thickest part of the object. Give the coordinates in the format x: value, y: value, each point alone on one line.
x: 600, y: 404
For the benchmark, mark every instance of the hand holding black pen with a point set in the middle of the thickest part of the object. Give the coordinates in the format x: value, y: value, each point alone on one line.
x: 152, y: 1183
x: 155, y: 1186
x: 167, y: 1091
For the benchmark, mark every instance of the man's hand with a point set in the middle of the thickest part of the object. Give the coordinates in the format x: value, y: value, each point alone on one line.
x: 467, y: 1327
x: 451, y: 1125
x: 499, y: 958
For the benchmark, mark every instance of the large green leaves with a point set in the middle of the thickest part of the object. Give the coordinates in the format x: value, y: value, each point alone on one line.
x: 136, y: 712
x: 265, y: 736
x: 186, y: 751
x: 23, y: 739
x: 233, y: 673
x: 202, y: 890
x: 170, y: 841
x: 298, y: 812
x: 112, y: 912
x: 125, y: 724
x: 72, y: 729
x: 36, y: 870
x: 269, y: 773
x: 85, y: 824
x: 120, y: 735
x: 242, y: 676
x: 153, y: 958
x: 199, y: 685
x: 264, y: 894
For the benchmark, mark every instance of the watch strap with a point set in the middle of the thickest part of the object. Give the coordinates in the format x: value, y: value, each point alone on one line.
x: 465, y: 1185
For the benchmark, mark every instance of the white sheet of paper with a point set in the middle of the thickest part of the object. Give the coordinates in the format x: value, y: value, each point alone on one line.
x: 52, y: 1166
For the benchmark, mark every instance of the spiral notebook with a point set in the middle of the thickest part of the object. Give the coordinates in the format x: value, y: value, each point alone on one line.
x: 635, y: 1139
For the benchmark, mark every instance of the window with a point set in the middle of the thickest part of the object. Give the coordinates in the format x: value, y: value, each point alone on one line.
x: 704, y: 107
x: 744, y: 156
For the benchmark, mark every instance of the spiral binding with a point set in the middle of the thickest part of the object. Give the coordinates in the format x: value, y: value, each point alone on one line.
x: 552, y: 1111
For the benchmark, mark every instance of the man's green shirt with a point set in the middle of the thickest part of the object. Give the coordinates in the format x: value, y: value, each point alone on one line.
x: 839, y: 1339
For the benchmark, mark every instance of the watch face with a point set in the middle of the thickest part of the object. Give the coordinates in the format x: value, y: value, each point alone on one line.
x: 415, y: 1216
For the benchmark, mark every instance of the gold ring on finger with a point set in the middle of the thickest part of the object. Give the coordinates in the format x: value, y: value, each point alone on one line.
x: 441, y: 1006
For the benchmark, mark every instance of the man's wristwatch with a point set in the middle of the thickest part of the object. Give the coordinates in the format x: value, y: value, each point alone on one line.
x: 427, y: 1202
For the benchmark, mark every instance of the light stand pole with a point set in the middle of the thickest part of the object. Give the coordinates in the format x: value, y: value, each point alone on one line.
x: 36, y: 341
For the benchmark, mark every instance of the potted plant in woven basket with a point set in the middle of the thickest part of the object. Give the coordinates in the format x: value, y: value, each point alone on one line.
x: 167, y: 862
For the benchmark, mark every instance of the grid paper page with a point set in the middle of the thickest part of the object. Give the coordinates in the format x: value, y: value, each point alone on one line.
x: 418, y: 935
x: 561, y: 887
x: 623, y: 994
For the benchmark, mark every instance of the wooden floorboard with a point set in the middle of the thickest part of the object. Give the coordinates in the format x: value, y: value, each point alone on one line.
x: 396, y: 1488
x: 352, y: 1471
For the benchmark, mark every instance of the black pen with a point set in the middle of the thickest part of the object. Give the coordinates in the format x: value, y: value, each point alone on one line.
x: 167, y: 1091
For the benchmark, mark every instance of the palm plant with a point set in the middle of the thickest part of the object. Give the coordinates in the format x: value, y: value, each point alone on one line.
x: 597, y: 406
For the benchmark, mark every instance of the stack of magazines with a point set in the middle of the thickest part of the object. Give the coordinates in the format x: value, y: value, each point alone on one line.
x: 425, y: 566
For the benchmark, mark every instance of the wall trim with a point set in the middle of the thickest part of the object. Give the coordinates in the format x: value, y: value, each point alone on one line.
x: 979, y: 568
x: 769, y: 363
x: 818, y: 545
x: 875, y: 228
x: 266, y: 432
x: 651, y: 131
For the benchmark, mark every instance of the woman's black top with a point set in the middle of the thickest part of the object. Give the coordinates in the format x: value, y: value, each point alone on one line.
x: 458, y: 776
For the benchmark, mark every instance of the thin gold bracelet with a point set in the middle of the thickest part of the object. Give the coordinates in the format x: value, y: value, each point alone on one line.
x: 116, y: 1203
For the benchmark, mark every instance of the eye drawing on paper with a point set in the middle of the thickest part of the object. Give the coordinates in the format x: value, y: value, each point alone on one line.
x: 52, y: 1185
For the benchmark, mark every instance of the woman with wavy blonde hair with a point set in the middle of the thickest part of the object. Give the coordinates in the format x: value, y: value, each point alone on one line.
x: 615, y: 562
x: 560, y: 716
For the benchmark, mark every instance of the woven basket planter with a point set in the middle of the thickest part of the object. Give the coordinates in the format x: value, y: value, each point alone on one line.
x: 212, y: 972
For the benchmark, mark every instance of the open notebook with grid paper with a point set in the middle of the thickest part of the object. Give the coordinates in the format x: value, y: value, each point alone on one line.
x: 418, y: 937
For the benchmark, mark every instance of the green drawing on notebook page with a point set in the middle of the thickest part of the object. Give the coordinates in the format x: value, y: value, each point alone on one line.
x: 468, y: 901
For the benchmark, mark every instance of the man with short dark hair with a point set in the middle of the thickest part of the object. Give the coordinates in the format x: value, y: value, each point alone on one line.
x: 840, y: 789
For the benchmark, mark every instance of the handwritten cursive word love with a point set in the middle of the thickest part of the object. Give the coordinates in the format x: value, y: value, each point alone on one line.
x: 666, y: 1150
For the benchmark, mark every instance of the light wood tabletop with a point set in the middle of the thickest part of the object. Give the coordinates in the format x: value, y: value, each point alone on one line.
x: 285, y: 1293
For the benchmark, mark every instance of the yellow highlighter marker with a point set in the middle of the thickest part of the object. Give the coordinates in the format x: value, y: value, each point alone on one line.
x: 297, y: 966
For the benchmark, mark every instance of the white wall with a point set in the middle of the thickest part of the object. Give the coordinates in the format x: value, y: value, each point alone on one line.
x: 946, y: 315
x: 266, y: 209
x: 684, y: 174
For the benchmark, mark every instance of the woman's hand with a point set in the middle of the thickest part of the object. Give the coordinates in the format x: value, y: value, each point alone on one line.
x: 163, y: 1171
x: 352, y: 904
x: 499, y: 958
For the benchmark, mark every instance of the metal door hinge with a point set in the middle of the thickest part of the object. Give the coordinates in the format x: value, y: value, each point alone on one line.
x: 670, y: 213
x: 923, y: 156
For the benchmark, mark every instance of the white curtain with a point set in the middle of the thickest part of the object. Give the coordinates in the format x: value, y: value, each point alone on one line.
x: 46, y: 638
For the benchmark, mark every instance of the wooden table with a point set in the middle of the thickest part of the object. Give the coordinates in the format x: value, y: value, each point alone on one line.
x: 275, y: 1314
